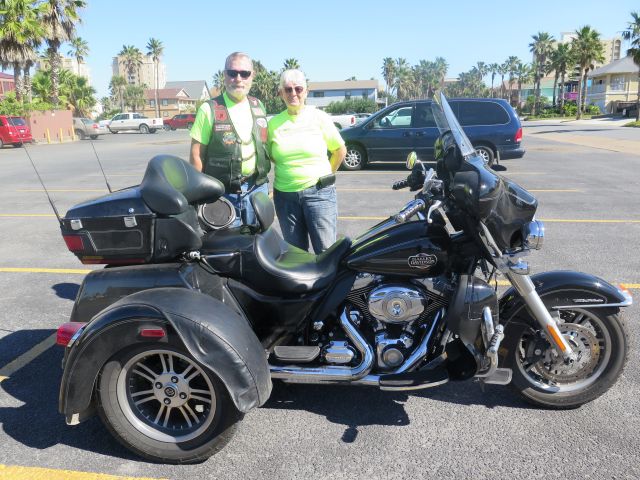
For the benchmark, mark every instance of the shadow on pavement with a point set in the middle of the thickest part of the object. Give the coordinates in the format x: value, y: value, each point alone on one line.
x: 355, y: 407
x: 66, y: 290
x: 36, y: 423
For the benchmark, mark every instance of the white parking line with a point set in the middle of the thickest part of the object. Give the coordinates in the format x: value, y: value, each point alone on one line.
x: 15, y: 365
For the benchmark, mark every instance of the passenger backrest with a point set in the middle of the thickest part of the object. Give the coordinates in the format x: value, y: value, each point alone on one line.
x: 263, y: 206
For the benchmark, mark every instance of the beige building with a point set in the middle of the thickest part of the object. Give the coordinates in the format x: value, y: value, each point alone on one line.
x: 321, y: 94
x: 612, y: 47
x: 614, y: 86
x: 71, y: 64
x: 172, y: 101
x: 145, y: 74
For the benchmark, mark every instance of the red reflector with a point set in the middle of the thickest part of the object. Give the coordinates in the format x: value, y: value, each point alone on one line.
x: 152, y: 332
x: 66, y: 331
x: 518, y: 138
x: 74, y: 242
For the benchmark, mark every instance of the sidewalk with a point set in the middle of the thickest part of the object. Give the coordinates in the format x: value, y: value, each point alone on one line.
x: 602, y: 122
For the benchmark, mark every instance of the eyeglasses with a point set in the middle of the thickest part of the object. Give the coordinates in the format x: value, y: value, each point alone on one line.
x: 297, y: 89
x: 234, y: 73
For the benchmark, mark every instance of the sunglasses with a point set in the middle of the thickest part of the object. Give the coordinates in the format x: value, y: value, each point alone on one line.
x: 297, y: 89
x: 234, y: 73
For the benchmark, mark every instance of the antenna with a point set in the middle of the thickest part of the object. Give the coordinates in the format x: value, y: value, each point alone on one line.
x: 100, y: 163
x: 24, y: 147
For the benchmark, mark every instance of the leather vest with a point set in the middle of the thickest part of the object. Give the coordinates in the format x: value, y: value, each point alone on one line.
x: 224, y: 155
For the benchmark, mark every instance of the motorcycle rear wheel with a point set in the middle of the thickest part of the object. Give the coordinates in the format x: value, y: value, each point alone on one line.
x: 163, y: 405
x: 599, y: 339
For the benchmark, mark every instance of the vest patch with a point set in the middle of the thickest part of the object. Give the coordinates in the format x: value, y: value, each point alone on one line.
x: 229, y: 138
x: 222, y: 127
x: 221, y: 115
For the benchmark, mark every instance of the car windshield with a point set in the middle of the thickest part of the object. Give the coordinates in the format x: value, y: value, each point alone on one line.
x: 86, y: 121
x: 447, y: 122
x: 17, y: 121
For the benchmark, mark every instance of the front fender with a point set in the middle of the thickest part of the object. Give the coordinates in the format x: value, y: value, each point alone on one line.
x: 218, y: 337
x: 565, y: 289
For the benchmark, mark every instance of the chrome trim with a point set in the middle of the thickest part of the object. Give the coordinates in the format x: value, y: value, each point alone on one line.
x: 420, y: 352
x: 520, y: 267
x: 328, y: 374
x: 533, y: 234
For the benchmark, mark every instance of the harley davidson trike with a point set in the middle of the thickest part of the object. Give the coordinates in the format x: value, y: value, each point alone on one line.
x: 184, y: 330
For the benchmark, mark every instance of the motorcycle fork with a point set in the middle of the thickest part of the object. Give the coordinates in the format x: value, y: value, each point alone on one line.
x: 527, y: 290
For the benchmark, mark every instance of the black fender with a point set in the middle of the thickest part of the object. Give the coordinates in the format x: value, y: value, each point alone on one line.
x: 563, y: 288
x: 217, y: 336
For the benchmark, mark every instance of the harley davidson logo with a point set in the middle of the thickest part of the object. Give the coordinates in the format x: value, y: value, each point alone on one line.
x: 422, y: 260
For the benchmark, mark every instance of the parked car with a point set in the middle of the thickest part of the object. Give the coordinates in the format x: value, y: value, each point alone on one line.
x: 134, y: 121
x: 390, y: 134
x: 14, y: 131
x: 85, y: 127
x: 184, y: 120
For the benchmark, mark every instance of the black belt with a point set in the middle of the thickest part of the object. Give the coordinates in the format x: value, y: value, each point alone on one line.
x: 326, y: 181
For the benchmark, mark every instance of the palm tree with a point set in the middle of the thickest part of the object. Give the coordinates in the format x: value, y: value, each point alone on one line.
x: 218, y: 80
x: 134, y: 96
x: 632, y: 33
x: 291, y: 64
x: 389, y: 75
x: 494, y: 68
x: 512, y: 66
x: 20, y: 35
x: 524, y: 73
x: 81, y: 96
x: 116, y: 86
x: 79, y: 50
x: 541, y: 48
x: 403, y: 78
x: 59, y: 18
x: 587, y: 50
x: 155, y: 50
x: 441, y: 70
x: 503, y: 70
x: 561, y: 61
x: 131, y: 57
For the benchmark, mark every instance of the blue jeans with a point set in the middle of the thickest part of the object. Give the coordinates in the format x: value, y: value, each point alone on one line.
x: 309, y: 213
x: 245, y: 215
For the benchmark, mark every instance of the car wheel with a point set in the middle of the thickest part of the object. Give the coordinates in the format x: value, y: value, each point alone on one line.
x: 355, y: 159
x: 152, y: 130
x: 93, y: 137
x: 143, y: 128
x: 158, y: 401
x: 166, y: 128
x: 189, y: 125
x: 80, y: 134
x: 1, y: 143
x: 486, y: 153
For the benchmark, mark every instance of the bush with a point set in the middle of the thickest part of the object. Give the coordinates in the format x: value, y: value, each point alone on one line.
x: 593, y: 110
x: 570, y: 109
x: 356, y: 105
x: 632, y: 124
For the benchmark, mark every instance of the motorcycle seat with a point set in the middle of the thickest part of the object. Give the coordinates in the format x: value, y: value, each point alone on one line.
x: 170, y: 185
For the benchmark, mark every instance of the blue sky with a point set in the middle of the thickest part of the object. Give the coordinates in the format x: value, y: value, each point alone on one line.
x: 332, y: 40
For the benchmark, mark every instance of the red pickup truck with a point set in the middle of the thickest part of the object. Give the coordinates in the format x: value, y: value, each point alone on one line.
x: 184, y: 120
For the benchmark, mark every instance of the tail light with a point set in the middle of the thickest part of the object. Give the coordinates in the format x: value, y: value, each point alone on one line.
x: 152, y: 332
x: 95, y: 126
x: 353, y: 120
x: 66, y: 331
x: 74, y: 243
x: 518, y: 137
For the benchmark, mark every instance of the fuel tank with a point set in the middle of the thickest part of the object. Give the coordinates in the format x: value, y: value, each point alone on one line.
x: 414, y: 249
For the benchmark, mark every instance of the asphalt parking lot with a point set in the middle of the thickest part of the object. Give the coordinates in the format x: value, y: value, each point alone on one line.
x: 588, y: 195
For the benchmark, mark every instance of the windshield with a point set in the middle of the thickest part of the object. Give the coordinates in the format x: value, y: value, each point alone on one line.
x: 446, y: 121
x: 17, y: 121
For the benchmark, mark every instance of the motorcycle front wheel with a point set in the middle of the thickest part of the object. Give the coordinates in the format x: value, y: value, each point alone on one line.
x: 598, y: 338
x: 159, y: 402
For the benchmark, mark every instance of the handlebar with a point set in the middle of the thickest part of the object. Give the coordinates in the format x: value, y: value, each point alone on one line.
x: 400, y: 184
x: 410, y: 210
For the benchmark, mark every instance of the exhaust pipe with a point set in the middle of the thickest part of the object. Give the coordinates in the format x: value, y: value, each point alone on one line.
x: 331, y: 373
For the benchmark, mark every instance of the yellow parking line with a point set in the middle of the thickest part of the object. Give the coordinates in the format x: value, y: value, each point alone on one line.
x: 3, y: 378
x: 550, y: 220
x: 27, y: 215
x: 61, y: 190
x: 16, y: 364
x: 13, y: 472
x: 43, y: 270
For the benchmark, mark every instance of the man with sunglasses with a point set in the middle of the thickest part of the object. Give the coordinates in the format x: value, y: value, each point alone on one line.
x: 228, y: 139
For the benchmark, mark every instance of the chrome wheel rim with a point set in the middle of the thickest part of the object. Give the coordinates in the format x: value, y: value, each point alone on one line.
x: 484, y: 154
x: 546, y: 370
x: 166, y: 396
x: 353, y: 158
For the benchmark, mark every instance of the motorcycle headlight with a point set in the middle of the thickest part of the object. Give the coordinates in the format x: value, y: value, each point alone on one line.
x: 533, y: 234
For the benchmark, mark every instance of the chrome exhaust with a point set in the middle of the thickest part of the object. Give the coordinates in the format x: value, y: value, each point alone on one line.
x: 331, y: 373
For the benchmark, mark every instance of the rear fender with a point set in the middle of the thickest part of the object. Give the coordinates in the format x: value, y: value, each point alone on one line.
x: 218, y: 337
x: 562, y: 290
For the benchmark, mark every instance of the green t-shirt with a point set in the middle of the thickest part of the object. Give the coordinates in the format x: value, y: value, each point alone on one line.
x: 298, y: 146
x: 240, y: 114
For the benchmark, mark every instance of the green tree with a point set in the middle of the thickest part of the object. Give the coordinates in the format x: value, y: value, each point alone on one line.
x: 512, y: 66
x: 131, y: 58
x: 291, y: 64
x: 218, y: 80
x: 81, y: 96
x: 134, y: 97
x: 20, y: 34
x: 524, y: 74
x: 493, y: 68
x: 79, y: 50
x: 155, y: 50
x: 117, y: 86
x: 587, y: 49
x: 561, y: 61
x: 403, y: 78
x: 59, y: 18
x: 389, y: 75
x: 632, y: 33
x: 541, y: 47
x: 503, y: 69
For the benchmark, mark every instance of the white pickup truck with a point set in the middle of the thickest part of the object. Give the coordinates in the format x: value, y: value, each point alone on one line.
x: 343, y: 121
x: 134, y: 121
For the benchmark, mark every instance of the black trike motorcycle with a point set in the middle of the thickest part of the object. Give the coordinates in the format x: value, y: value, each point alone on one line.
x: 184, y: 330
